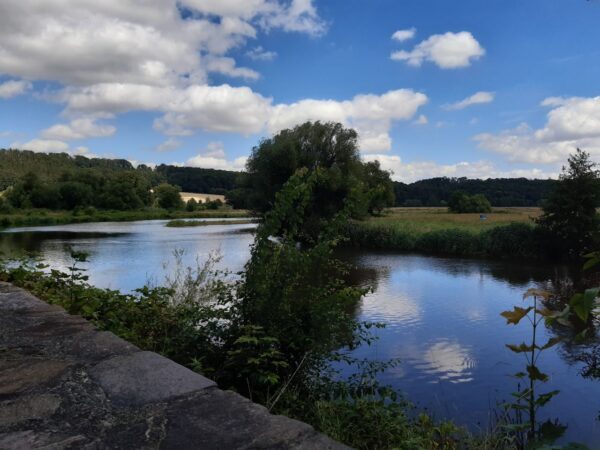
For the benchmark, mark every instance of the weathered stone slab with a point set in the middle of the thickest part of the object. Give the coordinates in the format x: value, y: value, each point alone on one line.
x: 199, y: 422
x: 145, y: 377
x: 18, y: 376
x: 27, y: 408
x: 28, y: 440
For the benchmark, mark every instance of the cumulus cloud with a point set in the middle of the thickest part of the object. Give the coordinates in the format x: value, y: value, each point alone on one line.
x: 214, y: 157
x: 371, y: 115
x: 413, y: 171
x: 52, y: 146
x: 89, y: 42
x: 12, y: 88
x: 447, y: 51
x: 169, y: 145
x: 404, y: 35
x: 476, y: 99
x: 113, y: 57
x: 260, y: 54
x: 81, y: 128
x: 421, y: 120
x: 571, y: 123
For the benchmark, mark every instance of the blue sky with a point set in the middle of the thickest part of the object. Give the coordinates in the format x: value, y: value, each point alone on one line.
x: 434, y: 88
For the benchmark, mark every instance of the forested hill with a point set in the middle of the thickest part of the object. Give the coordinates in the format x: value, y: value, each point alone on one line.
x: 50, y: 167
x: 432, y: 192
x: 499, y: 191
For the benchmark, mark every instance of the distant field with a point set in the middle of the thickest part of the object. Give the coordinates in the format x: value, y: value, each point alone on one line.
x: 422, y: 220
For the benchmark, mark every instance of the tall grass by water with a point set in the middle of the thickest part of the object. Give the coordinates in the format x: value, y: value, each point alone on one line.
x: 504, y: 233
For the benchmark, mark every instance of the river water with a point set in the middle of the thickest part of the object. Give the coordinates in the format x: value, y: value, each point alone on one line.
x: 442, y: 315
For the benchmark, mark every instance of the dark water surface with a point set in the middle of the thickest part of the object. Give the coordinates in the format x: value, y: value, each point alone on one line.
x: 442, y: 315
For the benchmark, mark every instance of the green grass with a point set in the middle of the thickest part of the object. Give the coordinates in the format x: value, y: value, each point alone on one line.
x: 36, y: 217
x: 506, y: 233
x: 179, y: 223
x: 422, y: 220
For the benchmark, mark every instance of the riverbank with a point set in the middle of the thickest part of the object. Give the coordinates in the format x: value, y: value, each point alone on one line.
x: 41, y: 217
x: 504, y: 233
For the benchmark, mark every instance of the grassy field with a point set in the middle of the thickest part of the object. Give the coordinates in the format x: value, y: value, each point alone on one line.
x: 179, y: 223
x: 422, y: 220
x: 34, y: 217
x: 505, y: 233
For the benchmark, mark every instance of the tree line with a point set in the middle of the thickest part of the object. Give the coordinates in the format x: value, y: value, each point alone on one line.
x: 499, y: 191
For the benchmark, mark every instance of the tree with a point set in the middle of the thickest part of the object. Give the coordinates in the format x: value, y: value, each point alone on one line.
x: 167, y: 196
x: 379, y: 188
x: 74, y: 193
x: 570, y: 219
x: 327, y: 147
x: 191, y: 205
x: 460, y: 202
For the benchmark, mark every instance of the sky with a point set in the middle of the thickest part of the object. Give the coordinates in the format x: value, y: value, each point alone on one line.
x: 494, y: 88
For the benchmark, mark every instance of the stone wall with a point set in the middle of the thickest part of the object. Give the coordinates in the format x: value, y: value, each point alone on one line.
x: 64, y: 384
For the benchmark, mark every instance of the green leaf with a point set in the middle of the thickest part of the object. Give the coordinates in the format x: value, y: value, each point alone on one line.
x: 535, y: 374
x: 521, y: 348
x: 551, y: 431
x: 584, y: 304
x: 551, y: 343
x: 545, y: 398
x: 537, y: 293
x: 516, y: 314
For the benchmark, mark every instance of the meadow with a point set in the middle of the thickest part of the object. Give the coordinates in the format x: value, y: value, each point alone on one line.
x: 504, y: 233
x: 422, y: 220
x: 36, y: 217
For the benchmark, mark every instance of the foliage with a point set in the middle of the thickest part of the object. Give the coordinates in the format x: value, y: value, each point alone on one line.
x: 517, y: 240
x: 167, y: 196
x: 24, y: 218
x: 462, y: 203
x: 328, y: 147
x: 194, y: 179
x: 527, y: 430
x: 499, y: 191
x: 570, y: 217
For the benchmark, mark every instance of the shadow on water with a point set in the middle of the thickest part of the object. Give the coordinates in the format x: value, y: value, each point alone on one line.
x: 18, y: 243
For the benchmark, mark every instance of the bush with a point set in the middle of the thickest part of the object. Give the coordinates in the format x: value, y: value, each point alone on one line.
x: 463, y: 203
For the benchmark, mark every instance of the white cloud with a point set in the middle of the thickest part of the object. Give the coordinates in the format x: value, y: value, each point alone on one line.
x: 571, y: 123
x: 421, y: 120
x: 89, y: 42
x: 447, y: 51
x: 226, y: 66
x: 404, y: 35
x: 371, y: 115
x: 81, y: 128
x: 214, y: 157
x: 475, y: 99
x: 240, y: 110
x: 210, y: 108
x: 413, y: 171
x: 43, y: 145
x: 214, y: 150
x: 260, y: 54
x: 12, y: 88
x: 169, y: 145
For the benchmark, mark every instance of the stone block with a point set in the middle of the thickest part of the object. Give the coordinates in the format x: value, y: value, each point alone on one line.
x: 145, y: 377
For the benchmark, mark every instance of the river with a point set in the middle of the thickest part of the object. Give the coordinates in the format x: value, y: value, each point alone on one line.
x: 442, y: 315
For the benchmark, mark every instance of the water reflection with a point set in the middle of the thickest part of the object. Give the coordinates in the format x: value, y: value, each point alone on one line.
x: 450, y: 361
